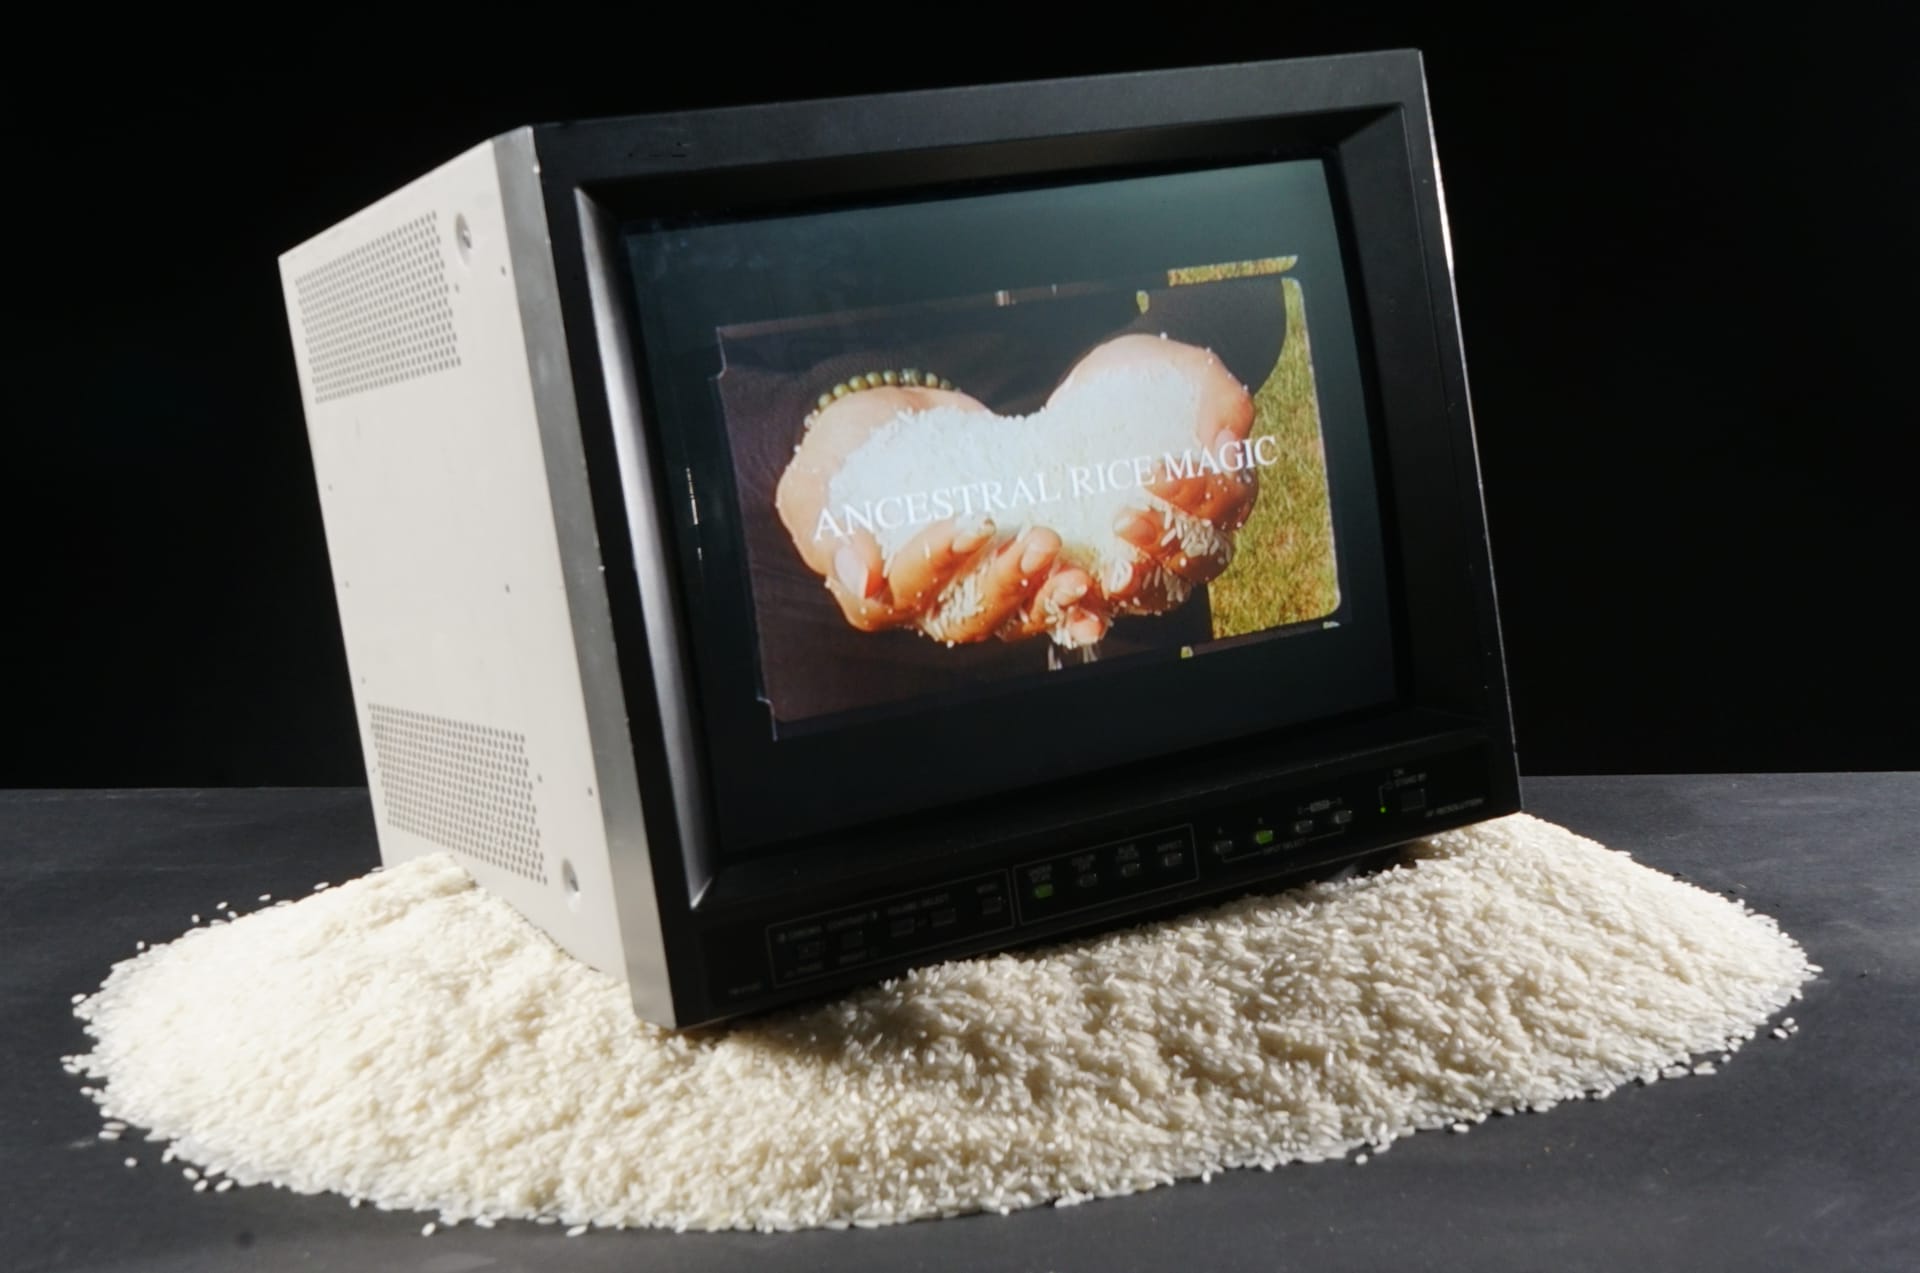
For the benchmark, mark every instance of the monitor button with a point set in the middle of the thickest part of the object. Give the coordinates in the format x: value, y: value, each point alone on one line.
x: 1303, y: 827
x: 901, y: 927
x: 1173, y: 861
x: 1341, y: 817
x: 992, y: 905
x: 1087, y: 880
x: 1129, y: 870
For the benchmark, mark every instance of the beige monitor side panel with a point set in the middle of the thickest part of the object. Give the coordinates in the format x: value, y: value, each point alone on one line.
x: 440, y: 414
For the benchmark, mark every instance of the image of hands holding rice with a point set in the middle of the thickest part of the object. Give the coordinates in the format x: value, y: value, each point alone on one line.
x: 1115, y: 469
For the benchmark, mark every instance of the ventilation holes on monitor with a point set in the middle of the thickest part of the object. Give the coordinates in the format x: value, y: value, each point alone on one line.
x: 379, y: 314
x: 465, y: 787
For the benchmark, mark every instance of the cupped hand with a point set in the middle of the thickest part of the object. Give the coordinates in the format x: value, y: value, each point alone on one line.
x: 1220, y: 495
x: 1023, y: 587
x: 1021, y: 590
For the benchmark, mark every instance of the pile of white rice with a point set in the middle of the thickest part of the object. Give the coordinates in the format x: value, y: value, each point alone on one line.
x: 1099, y: 427
x: 408, y: 1040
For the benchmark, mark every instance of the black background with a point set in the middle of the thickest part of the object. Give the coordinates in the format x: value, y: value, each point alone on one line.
x: 1685, y: 256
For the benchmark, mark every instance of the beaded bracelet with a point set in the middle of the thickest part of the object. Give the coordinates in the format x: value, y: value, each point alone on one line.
x: 911, y: 377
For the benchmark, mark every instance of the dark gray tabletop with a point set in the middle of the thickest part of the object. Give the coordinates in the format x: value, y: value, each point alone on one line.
x: 1802, y: 1154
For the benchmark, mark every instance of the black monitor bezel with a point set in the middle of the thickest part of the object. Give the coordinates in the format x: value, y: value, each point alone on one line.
x: 1366, y: 112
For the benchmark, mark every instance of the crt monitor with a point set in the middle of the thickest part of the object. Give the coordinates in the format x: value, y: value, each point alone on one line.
x: 781, y: 545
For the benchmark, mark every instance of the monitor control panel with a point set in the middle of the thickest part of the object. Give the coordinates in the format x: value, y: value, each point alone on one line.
x: 1096, y: 875
x: 1377, y: 807
x: 1236, y: 842
x: 889, y: 928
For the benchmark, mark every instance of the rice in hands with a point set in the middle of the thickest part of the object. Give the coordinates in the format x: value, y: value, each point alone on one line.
x: 1075, y: 467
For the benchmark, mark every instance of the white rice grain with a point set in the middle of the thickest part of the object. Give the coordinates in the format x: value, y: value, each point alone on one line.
x: 409, y: 1039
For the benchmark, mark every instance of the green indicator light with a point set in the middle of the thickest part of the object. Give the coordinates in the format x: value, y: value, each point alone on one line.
x: 1383, y: 808
x: 1041, y: 892
x: 1263, y: 836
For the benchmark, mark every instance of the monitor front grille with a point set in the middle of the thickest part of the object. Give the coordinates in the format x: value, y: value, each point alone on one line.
x: 462, y: 786
x: 380, y: 314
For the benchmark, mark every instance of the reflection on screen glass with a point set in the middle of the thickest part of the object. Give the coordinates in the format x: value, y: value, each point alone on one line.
x: 988, y: 489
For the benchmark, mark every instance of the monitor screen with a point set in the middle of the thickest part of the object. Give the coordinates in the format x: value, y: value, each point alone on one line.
x: 978, y: 491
